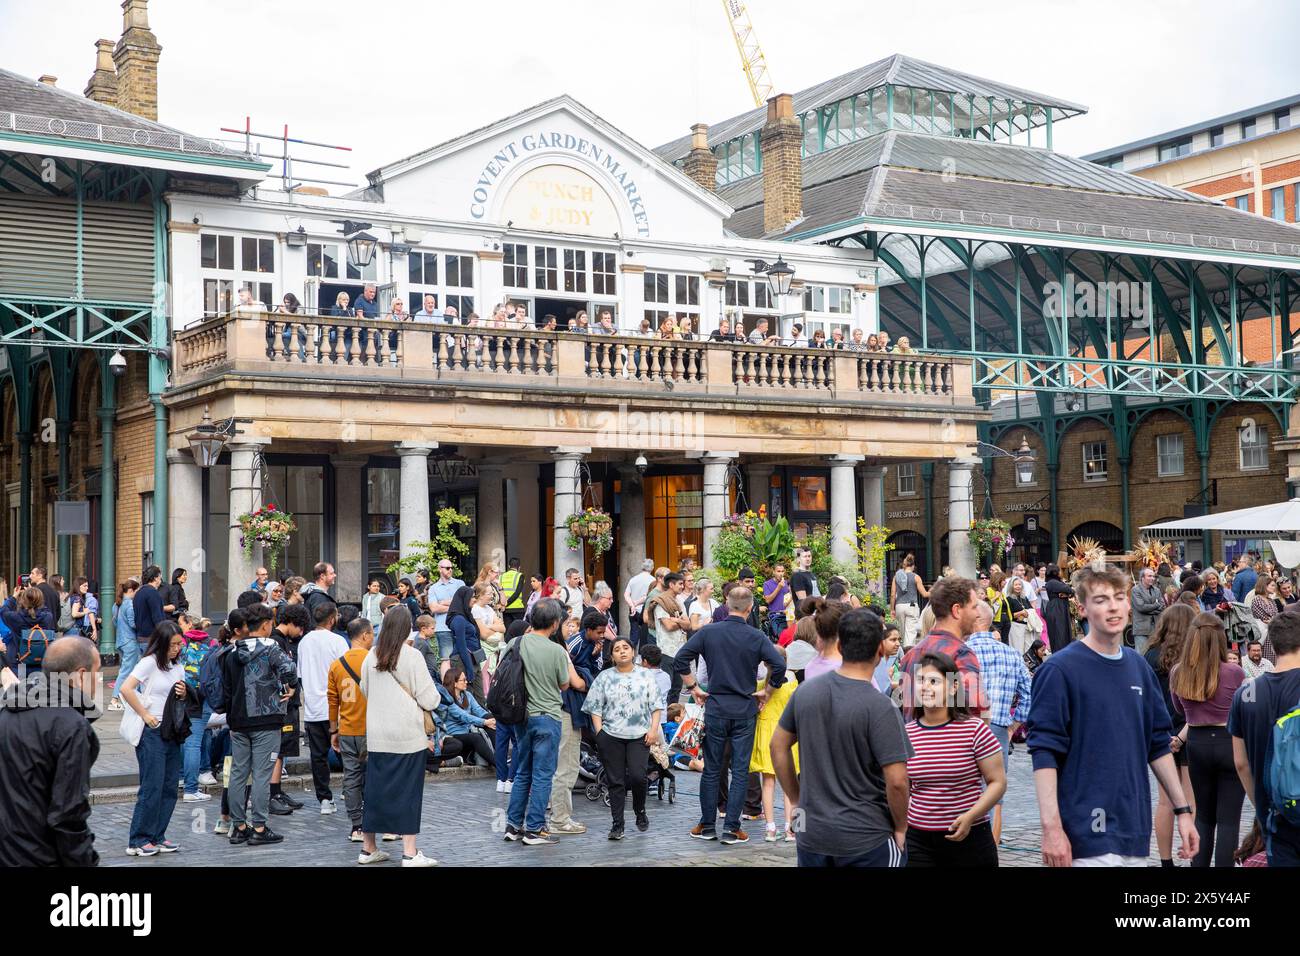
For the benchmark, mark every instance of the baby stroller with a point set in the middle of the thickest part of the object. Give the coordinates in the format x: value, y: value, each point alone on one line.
x: 594, y: 782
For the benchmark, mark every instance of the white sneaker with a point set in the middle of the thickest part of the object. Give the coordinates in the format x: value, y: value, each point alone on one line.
x: 419, y: 860
x: 197, y: 797
x: 379, y: 856
x: 327, y: 807
x: 510, y: 785
x: 501, y: 786
x: 207, y: 780
x: 223, y: 827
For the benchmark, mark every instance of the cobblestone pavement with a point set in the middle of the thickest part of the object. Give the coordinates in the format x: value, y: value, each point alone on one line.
x: 463, y: 822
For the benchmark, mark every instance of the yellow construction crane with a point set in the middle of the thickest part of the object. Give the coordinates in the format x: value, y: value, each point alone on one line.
x: 752, y: 60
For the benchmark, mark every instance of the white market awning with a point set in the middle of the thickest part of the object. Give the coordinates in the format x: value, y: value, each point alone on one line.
x: 1263, y: 519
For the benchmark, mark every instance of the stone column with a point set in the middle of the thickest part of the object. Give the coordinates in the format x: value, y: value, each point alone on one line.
x: 186, y: 519
x: 873, y: 495
x: 245, y: 496
x: 491, y: 515
x: 568, y: 500
x: 759, y: 485
x: 960, y: 515
x: 349, y: 528
x: 631, y: 531
x: 413, y: 503
x: 844, y: 507
x: 523, y: 539
x: 714, y: 504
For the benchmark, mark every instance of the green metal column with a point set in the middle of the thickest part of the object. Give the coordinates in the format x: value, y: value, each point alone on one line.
x: 1126, y: 515
x: 158, y: 339
x: 24, y: 503
x: 1053, y: 468
x: 1206, y: 536
x: 107, y: 508
x: 64, y: 440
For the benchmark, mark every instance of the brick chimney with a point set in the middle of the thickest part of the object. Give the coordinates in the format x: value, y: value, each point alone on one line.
x: 102, y: 85
x: 48, y: 80
x: 701, y: 165
x: 136, y: 59
x: 781, y: 140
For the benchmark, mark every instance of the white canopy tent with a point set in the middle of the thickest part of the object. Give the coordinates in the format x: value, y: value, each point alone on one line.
x: 1263, y: 520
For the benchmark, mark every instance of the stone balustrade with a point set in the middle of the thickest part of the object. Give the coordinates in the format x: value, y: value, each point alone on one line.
x: 379, y: 350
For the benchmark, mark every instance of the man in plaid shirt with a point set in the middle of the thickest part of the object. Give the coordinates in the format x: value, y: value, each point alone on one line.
x: 1006, y: 682
x: 954, y: 601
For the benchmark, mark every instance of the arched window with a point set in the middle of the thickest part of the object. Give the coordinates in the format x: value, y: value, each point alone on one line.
x: 1103, y: 532
x: 905, y: 543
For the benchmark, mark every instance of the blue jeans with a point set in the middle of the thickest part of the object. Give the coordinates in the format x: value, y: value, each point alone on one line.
x: 445, y: 645
x: 129, y: 651
x: 195, y: 750
x: 160, y: 768
x: 464, y: 638
x: 717, y: 731
x: 507, y: 753
x: 538, y: 748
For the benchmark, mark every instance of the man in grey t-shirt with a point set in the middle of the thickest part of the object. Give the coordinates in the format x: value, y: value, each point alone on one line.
x: 852, y: 788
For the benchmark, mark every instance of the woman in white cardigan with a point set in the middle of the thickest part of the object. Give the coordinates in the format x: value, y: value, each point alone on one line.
x: 398, y: 691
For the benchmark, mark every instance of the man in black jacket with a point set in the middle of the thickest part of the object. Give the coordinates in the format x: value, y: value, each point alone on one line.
x: 48, y: 591
x: 148, y: 602
x: 48, y: 749
x: 318, y: 591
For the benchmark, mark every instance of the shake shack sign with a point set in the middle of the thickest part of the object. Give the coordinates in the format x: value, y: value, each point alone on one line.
x: 564, y: 203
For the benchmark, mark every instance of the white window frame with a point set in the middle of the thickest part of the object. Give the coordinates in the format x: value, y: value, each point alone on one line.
x: 657, y: 309
x: 1277, y: 203
x: 1247, y: 452
x: 148, y: 527
x: 907, y: 471
x: 321, y: 249
x: 444, y: 293
x: 514, y: 264
x: 1165, y: 457
x: 1090, y: 454
x: 228, y: 280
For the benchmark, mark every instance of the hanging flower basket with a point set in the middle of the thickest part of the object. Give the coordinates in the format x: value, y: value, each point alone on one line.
x: 592, y: 526
x: 991, y: 538
x: 269, y: 527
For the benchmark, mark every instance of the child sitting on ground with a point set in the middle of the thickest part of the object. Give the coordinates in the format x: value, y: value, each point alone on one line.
x: 676, y: 712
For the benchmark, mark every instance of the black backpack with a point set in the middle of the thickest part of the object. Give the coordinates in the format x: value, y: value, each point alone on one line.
x: 508, y: 698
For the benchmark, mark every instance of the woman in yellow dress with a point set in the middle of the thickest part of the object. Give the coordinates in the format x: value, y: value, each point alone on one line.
x: 771, y: 702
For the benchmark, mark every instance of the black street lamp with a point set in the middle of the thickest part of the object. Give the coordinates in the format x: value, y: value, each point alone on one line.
x: 361, y: 249
x: 779, y: 275
x: 209, y: 438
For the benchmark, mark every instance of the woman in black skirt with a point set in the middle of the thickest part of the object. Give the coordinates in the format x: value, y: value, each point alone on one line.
x: 398, y: 691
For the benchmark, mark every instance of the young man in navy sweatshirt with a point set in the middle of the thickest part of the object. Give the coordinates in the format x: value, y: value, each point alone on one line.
x: 1098, y: 721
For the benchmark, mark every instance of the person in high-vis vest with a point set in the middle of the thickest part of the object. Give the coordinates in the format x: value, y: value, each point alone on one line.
x: 513, y: 587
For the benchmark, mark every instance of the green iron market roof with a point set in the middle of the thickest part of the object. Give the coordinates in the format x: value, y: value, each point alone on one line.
x: 898, y: 70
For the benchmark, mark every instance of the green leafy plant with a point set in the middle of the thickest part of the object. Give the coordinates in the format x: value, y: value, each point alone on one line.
x: 593, y: 526
x: 269, y: 527
x: 751, y: 540
x: 871, y: 545
x: 446, y: 545
x: 989, y: 537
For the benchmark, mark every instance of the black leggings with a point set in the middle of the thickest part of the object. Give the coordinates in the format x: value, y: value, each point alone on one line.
x: 933, y: 848
x: 1218, y: 794
x: 476, y: 743
x: 625, y: 762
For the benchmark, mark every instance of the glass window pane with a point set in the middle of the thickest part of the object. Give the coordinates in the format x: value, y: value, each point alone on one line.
x: 208, y: 252
x: 225, y: 252
x: 810, y: 493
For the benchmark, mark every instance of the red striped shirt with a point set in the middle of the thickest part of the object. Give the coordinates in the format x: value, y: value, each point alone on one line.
x: 944, y: 775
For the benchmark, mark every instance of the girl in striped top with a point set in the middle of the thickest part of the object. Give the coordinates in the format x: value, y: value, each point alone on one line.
x: 956, y: 776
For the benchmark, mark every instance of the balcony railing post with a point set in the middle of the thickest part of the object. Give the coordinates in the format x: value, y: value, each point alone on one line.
x: 571, y: 358
x: 417, y: 349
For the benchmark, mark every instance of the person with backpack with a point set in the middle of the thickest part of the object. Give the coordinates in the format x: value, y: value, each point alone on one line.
x: 31, y: 628
x: 212, y: 686
x: 347, y: 719
x: 533, y: 673
x: 258, y: 679
x: 1264, y: 723
x: 198, y: 646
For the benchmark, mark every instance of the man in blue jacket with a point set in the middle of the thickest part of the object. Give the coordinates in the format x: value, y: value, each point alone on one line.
x: 1098, y: 721
x: 1243, y: 582
x: 148, y: 602
x: 732, y: 650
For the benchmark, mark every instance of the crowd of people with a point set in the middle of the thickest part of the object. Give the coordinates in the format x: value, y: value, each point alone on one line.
x: 887, y: 730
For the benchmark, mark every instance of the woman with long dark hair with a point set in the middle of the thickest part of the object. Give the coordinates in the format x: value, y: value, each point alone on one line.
x: 175, y: 603
x: 955, y: 776
x: 399, y: 693
x: 1202, y: 684
x: 1056, y: 609
x: 158, y: 677
x: 85, y: 609
x: 463, y: 717
x: 406, y: 594
x: 1164, y: 649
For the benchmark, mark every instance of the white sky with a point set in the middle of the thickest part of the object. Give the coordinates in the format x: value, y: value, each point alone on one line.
x: 391, y: 77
